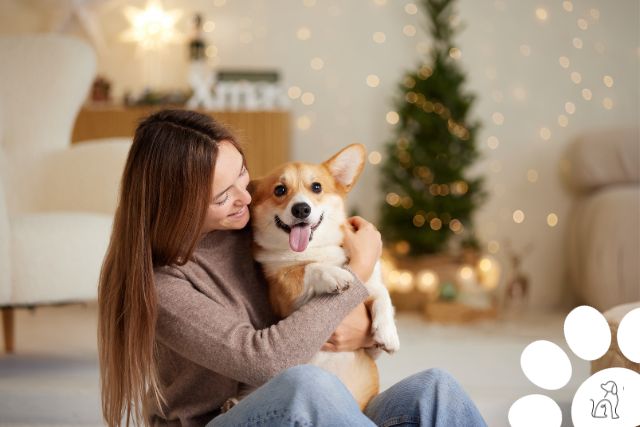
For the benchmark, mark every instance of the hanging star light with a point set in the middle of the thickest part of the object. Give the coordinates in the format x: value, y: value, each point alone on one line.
x: 152, y: 27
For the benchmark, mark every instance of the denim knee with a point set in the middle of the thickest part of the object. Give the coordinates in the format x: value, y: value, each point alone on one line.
x: 434, y: 379
x: 301, y: 376
x: 436, y: 374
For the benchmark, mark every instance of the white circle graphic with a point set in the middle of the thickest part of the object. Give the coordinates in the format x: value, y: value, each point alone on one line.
x: 546, y: 365
x: 535, y: 410
x: 629, y: 335
x: 587, y: 333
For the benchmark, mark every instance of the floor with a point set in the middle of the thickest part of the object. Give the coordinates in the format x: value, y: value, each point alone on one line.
x: 52, y: 380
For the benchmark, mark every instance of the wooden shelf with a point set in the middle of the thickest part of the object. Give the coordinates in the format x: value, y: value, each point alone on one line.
x: 264, y: 135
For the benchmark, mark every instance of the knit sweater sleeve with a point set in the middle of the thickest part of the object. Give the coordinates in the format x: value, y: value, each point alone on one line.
x: 217, y: 338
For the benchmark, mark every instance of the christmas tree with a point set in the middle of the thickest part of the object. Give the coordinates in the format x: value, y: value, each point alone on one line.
x: 428, y: 198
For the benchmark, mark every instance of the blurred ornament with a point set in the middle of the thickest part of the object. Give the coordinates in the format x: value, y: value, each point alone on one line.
x: 488, y: 272
x: 428, y: 282
x: 101, y: 90
x: 448, y: 291
x: 200, y: 74
x: 517, y: 284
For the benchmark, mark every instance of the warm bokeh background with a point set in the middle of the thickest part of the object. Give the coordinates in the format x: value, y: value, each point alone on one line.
x: 530, y: 63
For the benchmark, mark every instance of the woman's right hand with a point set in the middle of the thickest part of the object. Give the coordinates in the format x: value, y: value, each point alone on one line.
x: 363, y: 244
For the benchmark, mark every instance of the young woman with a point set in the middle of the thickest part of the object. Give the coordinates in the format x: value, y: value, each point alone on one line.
x: 184, y: 315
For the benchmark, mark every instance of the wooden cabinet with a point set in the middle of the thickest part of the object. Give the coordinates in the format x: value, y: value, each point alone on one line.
x: 264, y: 135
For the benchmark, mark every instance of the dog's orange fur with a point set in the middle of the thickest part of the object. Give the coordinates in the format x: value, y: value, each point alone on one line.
x: 285, y: 286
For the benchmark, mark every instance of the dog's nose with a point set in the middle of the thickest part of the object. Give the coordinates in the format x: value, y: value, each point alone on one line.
x: 301, y: 210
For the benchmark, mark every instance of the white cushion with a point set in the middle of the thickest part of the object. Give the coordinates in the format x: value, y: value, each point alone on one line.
x: 605, y: 157
x: 57, y: 256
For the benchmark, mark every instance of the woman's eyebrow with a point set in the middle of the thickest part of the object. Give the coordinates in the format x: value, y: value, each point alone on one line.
x: 226, y: 189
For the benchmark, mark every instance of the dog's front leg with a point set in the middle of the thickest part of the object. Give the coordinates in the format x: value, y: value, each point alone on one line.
x: 326, y: 278
x: 383, y: 326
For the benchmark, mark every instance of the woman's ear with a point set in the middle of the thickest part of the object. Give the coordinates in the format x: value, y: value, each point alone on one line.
x: 346, y: 166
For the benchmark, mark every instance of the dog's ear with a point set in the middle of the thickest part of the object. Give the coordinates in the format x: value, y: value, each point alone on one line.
x: 253, y: 185
x: 346, y: 166
x: 614, y: 388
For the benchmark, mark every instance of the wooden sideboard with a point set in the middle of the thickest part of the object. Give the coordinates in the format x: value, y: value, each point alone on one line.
x: 264, y: 135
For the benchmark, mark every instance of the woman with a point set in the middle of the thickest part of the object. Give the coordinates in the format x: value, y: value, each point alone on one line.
x: 184, y: 316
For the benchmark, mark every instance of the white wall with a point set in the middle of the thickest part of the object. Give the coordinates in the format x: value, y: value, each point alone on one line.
x: 529, y: 91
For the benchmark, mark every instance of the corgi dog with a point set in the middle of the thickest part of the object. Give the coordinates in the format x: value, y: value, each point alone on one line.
x: 297, y: 215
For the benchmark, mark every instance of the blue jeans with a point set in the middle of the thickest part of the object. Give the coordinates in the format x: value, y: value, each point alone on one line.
x: 306, y: 395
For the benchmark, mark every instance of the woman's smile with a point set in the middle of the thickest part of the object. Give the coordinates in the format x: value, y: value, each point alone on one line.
x: 240, y: 213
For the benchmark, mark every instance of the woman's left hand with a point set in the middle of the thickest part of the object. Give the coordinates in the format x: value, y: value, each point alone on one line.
x: 353, y: 333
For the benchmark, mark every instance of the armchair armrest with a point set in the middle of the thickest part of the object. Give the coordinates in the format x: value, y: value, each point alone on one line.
x: 5, y: 239
x: 84, y: 177
x: 600, y: 158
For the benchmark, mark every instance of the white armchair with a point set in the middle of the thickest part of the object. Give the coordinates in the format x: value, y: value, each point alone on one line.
x: 56, y: 200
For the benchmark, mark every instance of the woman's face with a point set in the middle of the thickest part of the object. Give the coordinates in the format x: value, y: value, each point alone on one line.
x: 228, y: 207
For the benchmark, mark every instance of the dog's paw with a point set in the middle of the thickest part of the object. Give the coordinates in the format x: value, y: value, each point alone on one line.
x: 385, y: 334
x: 329, y: 278
x: 228, y: 404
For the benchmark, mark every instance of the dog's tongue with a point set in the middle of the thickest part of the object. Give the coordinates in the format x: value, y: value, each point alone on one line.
x: 299, y: 237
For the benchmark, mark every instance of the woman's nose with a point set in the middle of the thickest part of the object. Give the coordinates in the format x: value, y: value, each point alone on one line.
x: 244, y: 197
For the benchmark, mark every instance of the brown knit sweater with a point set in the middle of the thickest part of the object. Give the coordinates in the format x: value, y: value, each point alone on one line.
x: 215, y: 328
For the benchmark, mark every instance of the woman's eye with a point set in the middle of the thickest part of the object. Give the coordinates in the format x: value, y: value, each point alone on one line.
x: 223, y: 200
x: 280, y: 190
x: 316, y: 187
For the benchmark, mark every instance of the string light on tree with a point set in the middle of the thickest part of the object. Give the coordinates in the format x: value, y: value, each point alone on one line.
x: 583, y: 24
x: 392, y: 117
x: 379, y: 37
x: 608, y: 81
x: 570, y: 107
x: 294, y: 92
x: 411, y: 8
x: 518, y: 216
x: 563, y: 120
x: 525, y: 50
x: 576, y: 77
x: 493, y: 247
x: 545, y: 133
x: 308, y: 98
x: 577, y: 42
x: 303, y: 33
x: 303, y: 122
x: 542, y: 14
x: 317, y: 64
x: 375, y: 157
x: 373, y: 80
x: 409, y: 30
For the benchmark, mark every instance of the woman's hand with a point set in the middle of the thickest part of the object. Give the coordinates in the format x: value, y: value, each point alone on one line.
x: 363, y: 244
x: 353, y: 333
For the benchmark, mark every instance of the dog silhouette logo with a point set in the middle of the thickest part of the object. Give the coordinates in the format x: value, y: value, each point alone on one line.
x: 608, y: 405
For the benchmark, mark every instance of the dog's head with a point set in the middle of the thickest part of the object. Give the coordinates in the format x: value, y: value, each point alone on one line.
x: 609, y: 387
x: 301, y: 203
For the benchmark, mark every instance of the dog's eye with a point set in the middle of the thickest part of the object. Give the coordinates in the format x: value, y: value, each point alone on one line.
x: 280, y: 190
x: 316, y: 187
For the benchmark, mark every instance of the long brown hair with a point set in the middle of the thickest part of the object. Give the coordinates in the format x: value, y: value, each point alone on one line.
x: 164, y: 194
